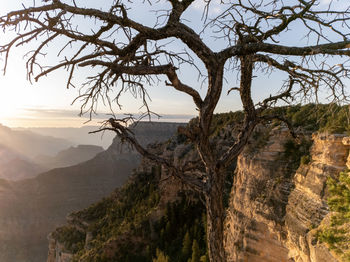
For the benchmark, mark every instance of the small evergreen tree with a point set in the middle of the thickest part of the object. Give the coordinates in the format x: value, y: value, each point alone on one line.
x: 204, y: 259
x: 337, y: 234
x: 160, y: 257
x: 186, y: 246
x: 195, y: 252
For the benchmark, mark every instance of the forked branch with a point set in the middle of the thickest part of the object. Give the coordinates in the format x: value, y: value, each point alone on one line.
x: 119, y: 126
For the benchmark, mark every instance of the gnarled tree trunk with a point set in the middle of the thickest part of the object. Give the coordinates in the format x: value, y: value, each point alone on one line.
x: 215, y: 217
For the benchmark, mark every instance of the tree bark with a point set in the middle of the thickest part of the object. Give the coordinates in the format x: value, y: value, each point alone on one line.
x: 215, y: 217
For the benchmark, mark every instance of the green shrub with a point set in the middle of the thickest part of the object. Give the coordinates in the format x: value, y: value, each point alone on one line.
x: 337, y: 234
x: 330, y: 118
x: 222, y: 120
x: 160, y: 257
x: 305, y: 159
x: 72, y: 238
x: 297, y: 152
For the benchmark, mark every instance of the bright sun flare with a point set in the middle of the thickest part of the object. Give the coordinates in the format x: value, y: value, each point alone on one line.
x: 12, y: 98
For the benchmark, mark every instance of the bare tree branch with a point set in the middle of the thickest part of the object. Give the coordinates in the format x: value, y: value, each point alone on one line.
x: 129, y: 56
x: 119, y: 127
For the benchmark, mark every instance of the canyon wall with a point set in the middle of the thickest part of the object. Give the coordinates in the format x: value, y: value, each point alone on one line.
x: 274, y: 211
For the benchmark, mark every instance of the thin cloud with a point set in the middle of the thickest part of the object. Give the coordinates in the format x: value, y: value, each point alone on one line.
x: 44, y: 117
x: 214, y: 6
x: 58, y: 113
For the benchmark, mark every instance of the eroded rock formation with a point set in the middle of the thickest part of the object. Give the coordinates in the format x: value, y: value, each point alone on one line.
x: 273, y: 212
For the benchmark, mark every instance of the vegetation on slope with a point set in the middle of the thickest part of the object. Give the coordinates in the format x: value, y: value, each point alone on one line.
x: 329, y: 118
x: 124, y: 228
x: 297, y: 152
x: 337, y: 233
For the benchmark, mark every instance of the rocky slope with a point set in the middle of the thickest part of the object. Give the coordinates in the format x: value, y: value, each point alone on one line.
x: 149, y: 212
x: 30, y: 209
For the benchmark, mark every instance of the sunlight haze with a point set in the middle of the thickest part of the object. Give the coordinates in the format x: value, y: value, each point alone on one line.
x: 50, y: 92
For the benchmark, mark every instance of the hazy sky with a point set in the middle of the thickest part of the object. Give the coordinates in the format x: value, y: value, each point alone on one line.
x: 25, y: 104
x: 48, y: 102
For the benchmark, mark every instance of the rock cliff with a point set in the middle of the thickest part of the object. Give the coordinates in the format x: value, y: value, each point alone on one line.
x: 307, y: 206
x: 274, y: 211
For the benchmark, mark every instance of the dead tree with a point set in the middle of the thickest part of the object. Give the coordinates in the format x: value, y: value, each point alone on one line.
x: 128, y: 55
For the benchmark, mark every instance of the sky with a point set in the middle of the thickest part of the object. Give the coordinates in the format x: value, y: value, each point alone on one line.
x: 27, y: 104
x: 49, y: 103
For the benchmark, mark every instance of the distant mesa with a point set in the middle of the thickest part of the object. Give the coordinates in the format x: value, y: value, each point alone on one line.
x: 24, y: 154
x: 68, y: 157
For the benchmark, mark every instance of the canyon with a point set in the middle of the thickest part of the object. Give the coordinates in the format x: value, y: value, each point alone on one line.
x: 31, y: 208
x: 275, y: 207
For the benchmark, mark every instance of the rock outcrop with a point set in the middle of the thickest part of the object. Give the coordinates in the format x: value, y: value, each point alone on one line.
x: 307, y: 205
x: 274, y: 211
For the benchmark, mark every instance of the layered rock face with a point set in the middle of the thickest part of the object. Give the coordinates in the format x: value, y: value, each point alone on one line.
x: 257, y: 204
x: 273, y: 209
x: 307, y: 205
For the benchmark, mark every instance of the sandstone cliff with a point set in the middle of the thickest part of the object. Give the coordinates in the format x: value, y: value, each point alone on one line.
x: 307, y: 206
x: 273, y: 211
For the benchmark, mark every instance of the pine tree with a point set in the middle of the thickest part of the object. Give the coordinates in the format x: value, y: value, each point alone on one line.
x: 186, y: 246
x: 160, y: 257
x: 195, y: 252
